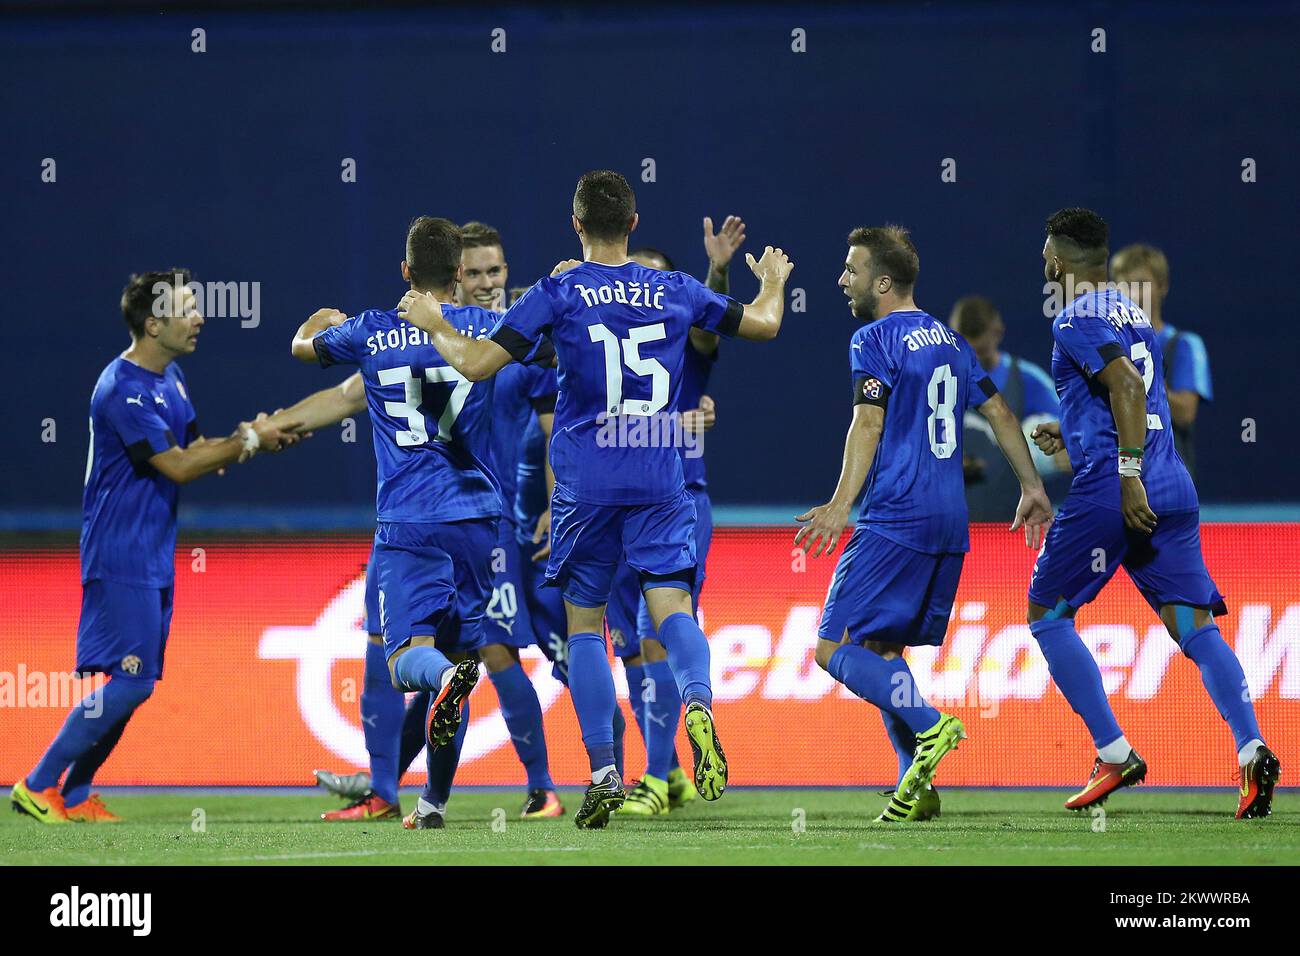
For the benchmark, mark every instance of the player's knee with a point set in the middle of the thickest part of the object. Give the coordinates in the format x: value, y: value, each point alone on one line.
x: 636, y: 660
x: 888, y: 651
x: 498, y: 657
x: 824, y: 652
x: 139, y: 689
x: 1180, y: 620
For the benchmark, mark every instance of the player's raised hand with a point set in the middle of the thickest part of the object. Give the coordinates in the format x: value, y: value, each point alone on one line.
x: 1047, y: 436
x: 1133, y: 503
x: 1034, y: 514
x: 722, y: 245
x: 543, y: 530
x: 825, y: 525
x: 773, y: 266
x: 565, y: 266
x: 421, y: 309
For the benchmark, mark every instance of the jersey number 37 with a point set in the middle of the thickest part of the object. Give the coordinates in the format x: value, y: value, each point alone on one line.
x: 417, y: 432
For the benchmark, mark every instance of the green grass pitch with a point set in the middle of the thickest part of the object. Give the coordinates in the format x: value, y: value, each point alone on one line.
x: 774, y: 827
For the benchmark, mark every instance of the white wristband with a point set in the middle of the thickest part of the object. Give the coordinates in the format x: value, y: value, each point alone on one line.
x: 1130, y: 466
x: 252, y: 440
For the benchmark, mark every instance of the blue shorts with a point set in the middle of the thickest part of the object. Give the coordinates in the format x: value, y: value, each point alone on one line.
x: 628, y: 616
x: 123, y: 629
x: 507, y: 615
x: 589, y: 542
x: 883, y: 591
x: 372, y: 624
x: 434, y: 579
x: 1087, y: 544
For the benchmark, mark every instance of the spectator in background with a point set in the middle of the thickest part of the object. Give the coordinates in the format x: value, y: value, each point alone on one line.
x: 1145, y: 271
x: 991, y: 486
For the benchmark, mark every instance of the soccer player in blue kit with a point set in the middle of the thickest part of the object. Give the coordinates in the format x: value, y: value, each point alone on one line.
x: 620, y: 332
x: 894, y: 586
x: 1133, y: 501
x: 652, y: 691
x: 144, y: 444
x: 438, y: 504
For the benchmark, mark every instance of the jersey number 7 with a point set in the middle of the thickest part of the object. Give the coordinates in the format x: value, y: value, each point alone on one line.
x: 409, y: 408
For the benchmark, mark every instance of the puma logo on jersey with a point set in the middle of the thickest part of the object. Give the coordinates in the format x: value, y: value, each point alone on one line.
x: 135, y: 401
x: 158, y: 400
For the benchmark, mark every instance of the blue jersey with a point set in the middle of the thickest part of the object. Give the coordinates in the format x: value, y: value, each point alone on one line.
x: 1189, y: 370
x: 128, y: 508
x: 621, y: 334
x: 926, y: 375
x: 695, y: 381
x: 521, y: 393
x: 432, y: 426
x: 1092, y: 331
x: 531, y: 496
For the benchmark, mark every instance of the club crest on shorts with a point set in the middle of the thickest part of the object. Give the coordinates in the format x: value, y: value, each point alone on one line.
x: 871, y: 387
x: 131, y: 664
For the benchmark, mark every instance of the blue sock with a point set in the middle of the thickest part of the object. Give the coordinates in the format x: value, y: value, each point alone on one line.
x: 619, y: 729
x: 662, y: 713
x: 88, y: 723
x: 688, y: 657
x: 886, y: 683
x: 592, y: 687
x: 1077, y: 676
x: 413, y: 732
x: 523, y: 716
x: 420, y: 668
x: 76, y: 785
x: 1225, y: 680
x: 904, y: 741
x: 635, y: 688
x: 382, y: 709
x: 442, y: 763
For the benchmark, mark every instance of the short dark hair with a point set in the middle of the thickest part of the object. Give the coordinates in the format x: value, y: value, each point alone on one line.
x: 433, y: 247
x: 476, y: 235
x: 138, y: 297
x: 892, y: 253
x: 1081, y: 235
x: 605, y: 204
x: 972, y: 315
x: 650, y: 252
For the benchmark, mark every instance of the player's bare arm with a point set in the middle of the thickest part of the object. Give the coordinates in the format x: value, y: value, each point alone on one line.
x: 327, y: 407
x: 476, y: 359
x: 1183, y: 404
x: 1034, y: 512
x: 320, y: 320
x: 545, y: 421
x: 762, y: 319
x: 1128, y: 403
x: 720, y: 247
x: 183, y: 465
x: 827, y: 522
